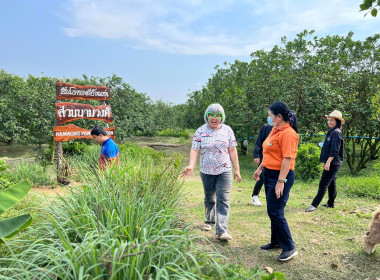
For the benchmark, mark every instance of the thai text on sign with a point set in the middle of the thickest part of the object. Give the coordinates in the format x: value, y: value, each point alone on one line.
x: 67, y: 112
x: 69, y: 132
x: 68, y: 91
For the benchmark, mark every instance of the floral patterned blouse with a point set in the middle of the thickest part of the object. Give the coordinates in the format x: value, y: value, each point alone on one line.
x: 214, y: 144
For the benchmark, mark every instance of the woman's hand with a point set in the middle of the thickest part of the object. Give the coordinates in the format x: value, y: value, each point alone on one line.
x: 257, y: 160
x: 237, y: 176
x: 257, y: 174
x: 187, y: 172
x: 326, y: 166
x: 279, y: 189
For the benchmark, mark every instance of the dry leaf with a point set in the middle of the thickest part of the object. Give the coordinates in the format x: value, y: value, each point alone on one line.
x: 269, y: 269
x: 334, y: 265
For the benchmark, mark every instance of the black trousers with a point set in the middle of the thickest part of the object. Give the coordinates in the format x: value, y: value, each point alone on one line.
x: 328, y: 181
x: 280, y: 232
x: 258, y: 185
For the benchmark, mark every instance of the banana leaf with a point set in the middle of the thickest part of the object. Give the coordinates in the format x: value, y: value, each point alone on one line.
x: 10, y: 196
x: 12, y: 226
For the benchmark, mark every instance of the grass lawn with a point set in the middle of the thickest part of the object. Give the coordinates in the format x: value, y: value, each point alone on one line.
x: 329, y: 241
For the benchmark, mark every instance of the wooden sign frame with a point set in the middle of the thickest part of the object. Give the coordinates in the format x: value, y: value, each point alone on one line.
x: 65, y: 133
x: 70, y: 132
x: 69, y: 91
x: 67, y: 112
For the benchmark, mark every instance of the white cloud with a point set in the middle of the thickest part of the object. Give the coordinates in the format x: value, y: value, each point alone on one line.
x: 204, y: 27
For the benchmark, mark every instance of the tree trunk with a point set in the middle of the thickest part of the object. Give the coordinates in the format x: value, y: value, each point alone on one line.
x: 52, y: 151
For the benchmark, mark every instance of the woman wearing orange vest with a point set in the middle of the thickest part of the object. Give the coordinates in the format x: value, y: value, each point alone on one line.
x: 279, y: 154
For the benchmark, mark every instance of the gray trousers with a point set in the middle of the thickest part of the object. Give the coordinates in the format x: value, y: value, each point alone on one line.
x: 217, y: 190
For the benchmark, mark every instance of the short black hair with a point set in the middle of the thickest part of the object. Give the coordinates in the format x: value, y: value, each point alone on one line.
x: 97, y: 130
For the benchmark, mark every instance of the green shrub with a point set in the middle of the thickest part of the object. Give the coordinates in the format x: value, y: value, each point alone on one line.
x: 308, y: 166
x: 71, y: 148
x: 172, y: 133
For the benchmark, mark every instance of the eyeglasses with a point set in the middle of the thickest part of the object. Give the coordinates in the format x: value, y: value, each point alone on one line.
x: 211, y: 115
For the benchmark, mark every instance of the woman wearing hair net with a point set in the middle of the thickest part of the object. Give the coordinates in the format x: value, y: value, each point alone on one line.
x: 218, y: 153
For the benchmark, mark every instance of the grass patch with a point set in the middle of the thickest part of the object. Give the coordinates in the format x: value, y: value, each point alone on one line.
x: 362, y: 186
x: 34, y: 172
x: 329, y: 241
x: 122, y: 224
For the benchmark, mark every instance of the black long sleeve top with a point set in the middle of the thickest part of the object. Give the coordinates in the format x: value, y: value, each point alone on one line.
x: 263, y: 134
x: 333, y: 146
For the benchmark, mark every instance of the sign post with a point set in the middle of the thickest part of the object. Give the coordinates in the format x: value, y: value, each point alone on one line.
x: 67, y: 112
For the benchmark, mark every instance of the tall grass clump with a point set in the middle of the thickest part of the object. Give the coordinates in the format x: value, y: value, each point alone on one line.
x: 123, y: 223
x: 33, y: 172
x: 362, y: 186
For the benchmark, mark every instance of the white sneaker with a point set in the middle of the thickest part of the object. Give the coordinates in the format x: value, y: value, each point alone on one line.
x: 224, y: 236
x: 255, y: 200
x: 206, y: 227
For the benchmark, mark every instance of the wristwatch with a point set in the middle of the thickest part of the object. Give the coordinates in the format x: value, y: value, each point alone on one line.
x: 282, y: 181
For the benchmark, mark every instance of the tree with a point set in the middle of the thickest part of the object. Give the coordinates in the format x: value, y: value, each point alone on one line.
x: 14, y: 109
x: 313, y: 76
x: 28, y: 112
x: 370, y: 6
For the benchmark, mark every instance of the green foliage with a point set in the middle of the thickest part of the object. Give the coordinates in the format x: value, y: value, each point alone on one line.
x: 314, y: 76
x: 34, y: 172
x: 28, y: 112
x: 308, y: 166
x: 368, y: 186
x: 370, y: 6
x: 172, y: 133
x: 9, y: 198
x: 124, y: 223
x: 4, y: 180
x: 71, y: 148
x: 376, y: 166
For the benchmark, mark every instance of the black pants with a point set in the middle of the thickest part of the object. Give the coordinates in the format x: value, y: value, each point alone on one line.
x: 258, y: 185
x: 280, y: 233
x: 328, y: 181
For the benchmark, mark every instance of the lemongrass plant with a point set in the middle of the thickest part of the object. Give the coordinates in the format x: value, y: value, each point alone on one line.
x: 120, y: 224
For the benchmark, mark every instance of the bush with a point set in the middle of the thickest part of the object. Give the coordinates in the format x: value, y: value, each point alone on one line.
x: 71, y: 148
x: 308, y: 166
x: 172, y: 133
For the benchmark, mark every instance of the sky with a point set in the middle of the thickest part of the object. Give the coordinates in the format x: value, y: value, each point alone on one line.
x: 164, y: 48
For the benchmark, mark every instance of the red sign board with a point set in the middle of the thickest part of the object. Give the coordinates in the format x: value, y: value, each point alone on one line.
x: 68, y: 91
x: 69, y: 132
x: 67, y: 112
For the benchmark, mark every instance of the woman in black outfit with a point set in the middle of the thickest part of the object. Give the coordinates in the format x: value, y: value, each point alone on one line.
x: 258, y: 158
x: 331, y: 158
